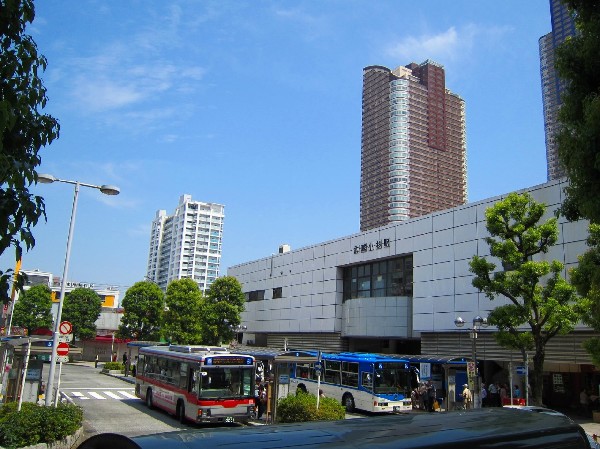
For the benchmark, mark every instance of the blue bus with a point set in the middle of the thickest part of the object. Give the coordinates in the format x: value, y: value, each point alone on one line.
x: 377, y: 383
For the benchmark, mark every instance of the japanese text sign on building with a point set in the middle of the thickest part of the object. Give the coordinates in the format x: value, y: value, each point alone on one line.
x: 373, y: 246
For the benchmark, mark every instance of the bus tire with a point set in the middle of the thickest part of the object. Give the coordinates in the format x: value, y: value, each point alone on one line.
x: 180, y: 413
x: 348, y: 402
x: 301, y: 388
x: 149, y: 402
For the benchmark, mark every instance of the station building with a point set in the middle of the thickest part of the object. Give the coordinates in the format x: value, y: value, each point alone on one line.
x: 399, y: 288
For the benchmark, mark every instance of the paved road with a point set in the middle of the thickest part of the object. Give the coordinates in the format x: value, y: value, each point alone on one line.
x: 109, y: 404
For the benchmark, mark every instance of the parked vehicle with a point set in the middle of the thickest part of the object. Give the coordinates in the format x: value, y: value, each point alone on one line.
x: 486, y: 428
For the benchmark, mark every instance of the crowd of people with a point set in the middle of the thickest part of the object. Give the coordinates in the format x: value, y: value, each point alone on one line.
x: 496, y: 394
x: 424, y: 397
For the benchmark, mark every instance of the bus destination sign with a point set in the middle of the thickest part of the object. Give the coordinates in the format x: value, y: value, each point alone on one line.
x: 228, y: 361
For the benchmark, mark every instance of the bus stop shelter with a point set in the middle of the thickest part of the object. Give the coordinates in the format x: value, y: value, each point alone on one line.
x: 277, y: 365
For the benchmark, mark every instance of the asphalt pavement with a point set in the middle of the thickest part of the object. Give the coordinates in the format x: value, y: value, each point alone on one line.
x: 587, y: 423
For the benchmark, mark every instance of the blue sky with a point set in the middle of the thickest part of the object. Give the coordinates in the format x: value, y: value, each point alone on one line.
x: 257, y: 105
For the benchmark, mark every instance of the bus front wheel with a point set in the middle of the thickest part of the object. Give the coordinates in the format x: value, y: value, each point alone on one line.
x: 149, y: 398
x: 348, y: 402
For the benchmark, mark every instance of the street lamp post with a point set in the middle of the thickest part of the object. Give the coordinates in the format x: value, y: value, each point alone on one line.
x: 107, y: 190
x: 478, y: 323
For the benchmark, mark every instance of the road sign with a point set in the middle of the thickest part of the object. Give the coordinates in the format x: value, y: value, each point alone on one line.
x: 62, y: 359
x: 65, y: 327
x: 65, y: 338
x: 318, y: 368
x: 62, y: 349
x: 521, y: 370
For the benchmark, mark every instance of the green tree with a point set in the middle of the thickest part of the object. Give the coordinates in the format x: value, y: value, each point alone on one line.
x: 182, y: 319
x: 82, y: 307
x: 541, y: 304
x: 144, y: 303
x: 33, y: 310
x: 578, y: 65
x: 222, y: 308
x: 23, y: 131
x: 586, y: 278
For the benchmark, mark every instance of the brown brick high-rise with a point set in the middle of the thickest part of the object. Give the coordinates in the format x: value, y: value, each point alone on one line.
x: 413, y: 150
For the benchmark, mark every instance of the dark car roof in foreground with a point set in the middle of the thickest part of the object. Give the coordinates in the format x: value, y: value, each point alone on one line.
x: 482, y: 428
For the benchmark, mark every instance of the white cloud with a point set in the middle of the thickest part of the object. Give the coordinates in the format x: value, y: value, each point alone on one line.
x: 97, y: 95
x: 449, y: 46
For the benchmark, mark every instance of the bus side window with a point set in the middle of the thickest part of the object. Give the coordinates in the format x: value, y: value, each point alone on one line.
x: 193, y: 378
x: 183, y: 375
x: 367, y: 380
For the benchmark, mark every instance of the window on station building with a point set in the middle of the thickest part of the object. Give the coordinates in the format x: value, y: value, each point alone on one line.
x: 278, y: 293
x: 391, y: 277
x: 256, y: 295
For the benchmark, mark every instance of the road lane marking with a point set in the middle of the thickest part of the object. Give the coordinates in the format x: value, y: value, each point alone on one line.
x: 112, y: 395
x: 96, y: 395
x: 79, y: 395
x: 128, y: 395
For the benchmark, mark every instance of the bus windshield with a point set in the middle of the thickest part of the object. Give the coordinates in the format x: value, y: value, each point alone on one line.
x: 391, y: 378
x: 222, y: 382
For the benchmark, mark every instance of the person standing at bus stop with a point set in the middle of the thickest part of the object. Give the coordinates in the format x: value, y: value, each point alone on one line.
x: 431, y: 396
x: 262, y: 401
x: 467, y: 397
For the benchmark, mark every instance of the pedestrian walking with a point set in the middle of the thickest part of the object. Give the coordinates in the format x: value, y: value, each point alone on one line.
x: 483, y: 395
x: 467, y: 397
x: 493, y: 394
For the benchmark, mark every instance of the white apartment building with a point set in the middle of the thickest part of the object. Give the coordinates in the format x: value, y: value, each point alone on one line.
x: 186, y: 244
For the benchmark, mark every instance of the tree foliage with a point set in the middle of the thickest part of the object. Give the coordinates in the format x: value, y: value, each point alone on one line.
x: 144, y: 303
x: 82, y: 307
x: 183, y: 318
x: 24, y: 129
x: 586, y: 278
x: 541, y: 303
x: 33, y: 310
x: 222, y: 308
x: 578, y: 65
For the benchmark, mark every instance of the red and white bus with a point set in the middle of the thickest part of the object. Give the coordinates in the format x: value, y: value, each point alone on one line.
x: 197, y: 383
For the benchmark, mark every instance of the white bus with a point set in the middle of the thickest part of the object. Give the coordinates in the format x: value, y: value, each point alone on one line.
x: 197, y: 383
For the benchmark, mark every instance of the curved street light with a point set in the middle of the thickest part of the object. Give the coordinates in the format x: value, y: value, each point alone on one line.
x: 478, y: 324
x: 107, y: 190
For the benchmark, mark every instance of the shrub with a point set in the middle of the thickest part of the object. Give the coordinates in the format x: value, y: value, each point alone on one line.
x: 117, y: 366
x: 303, y: 407
x: 37, y: 424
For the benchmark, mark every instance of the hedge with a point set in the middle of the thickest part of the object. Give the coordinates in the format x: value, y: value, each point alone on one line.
x: 37, y: 424
x: 303, y: 407
x: 114, y: 366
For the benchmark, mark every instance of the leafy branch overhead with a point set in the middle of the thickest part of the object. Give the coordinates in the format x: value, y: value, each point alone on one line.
x: 24, y: 130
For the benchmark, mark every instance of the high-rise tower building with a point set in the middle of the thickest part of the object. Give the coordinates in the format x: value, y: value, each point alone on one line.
x: 413, y: 149
x: 563, y: 26
x: 186, y: 244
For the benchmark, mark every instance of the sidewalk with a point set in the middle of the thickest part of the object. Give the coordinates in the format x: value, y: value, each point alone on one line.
x: 590, y: 427
x: 128, y: 379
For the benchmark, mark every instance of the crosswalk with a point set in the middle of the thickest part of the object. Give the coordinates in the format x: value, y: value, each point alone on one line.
x: 100, y: 394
